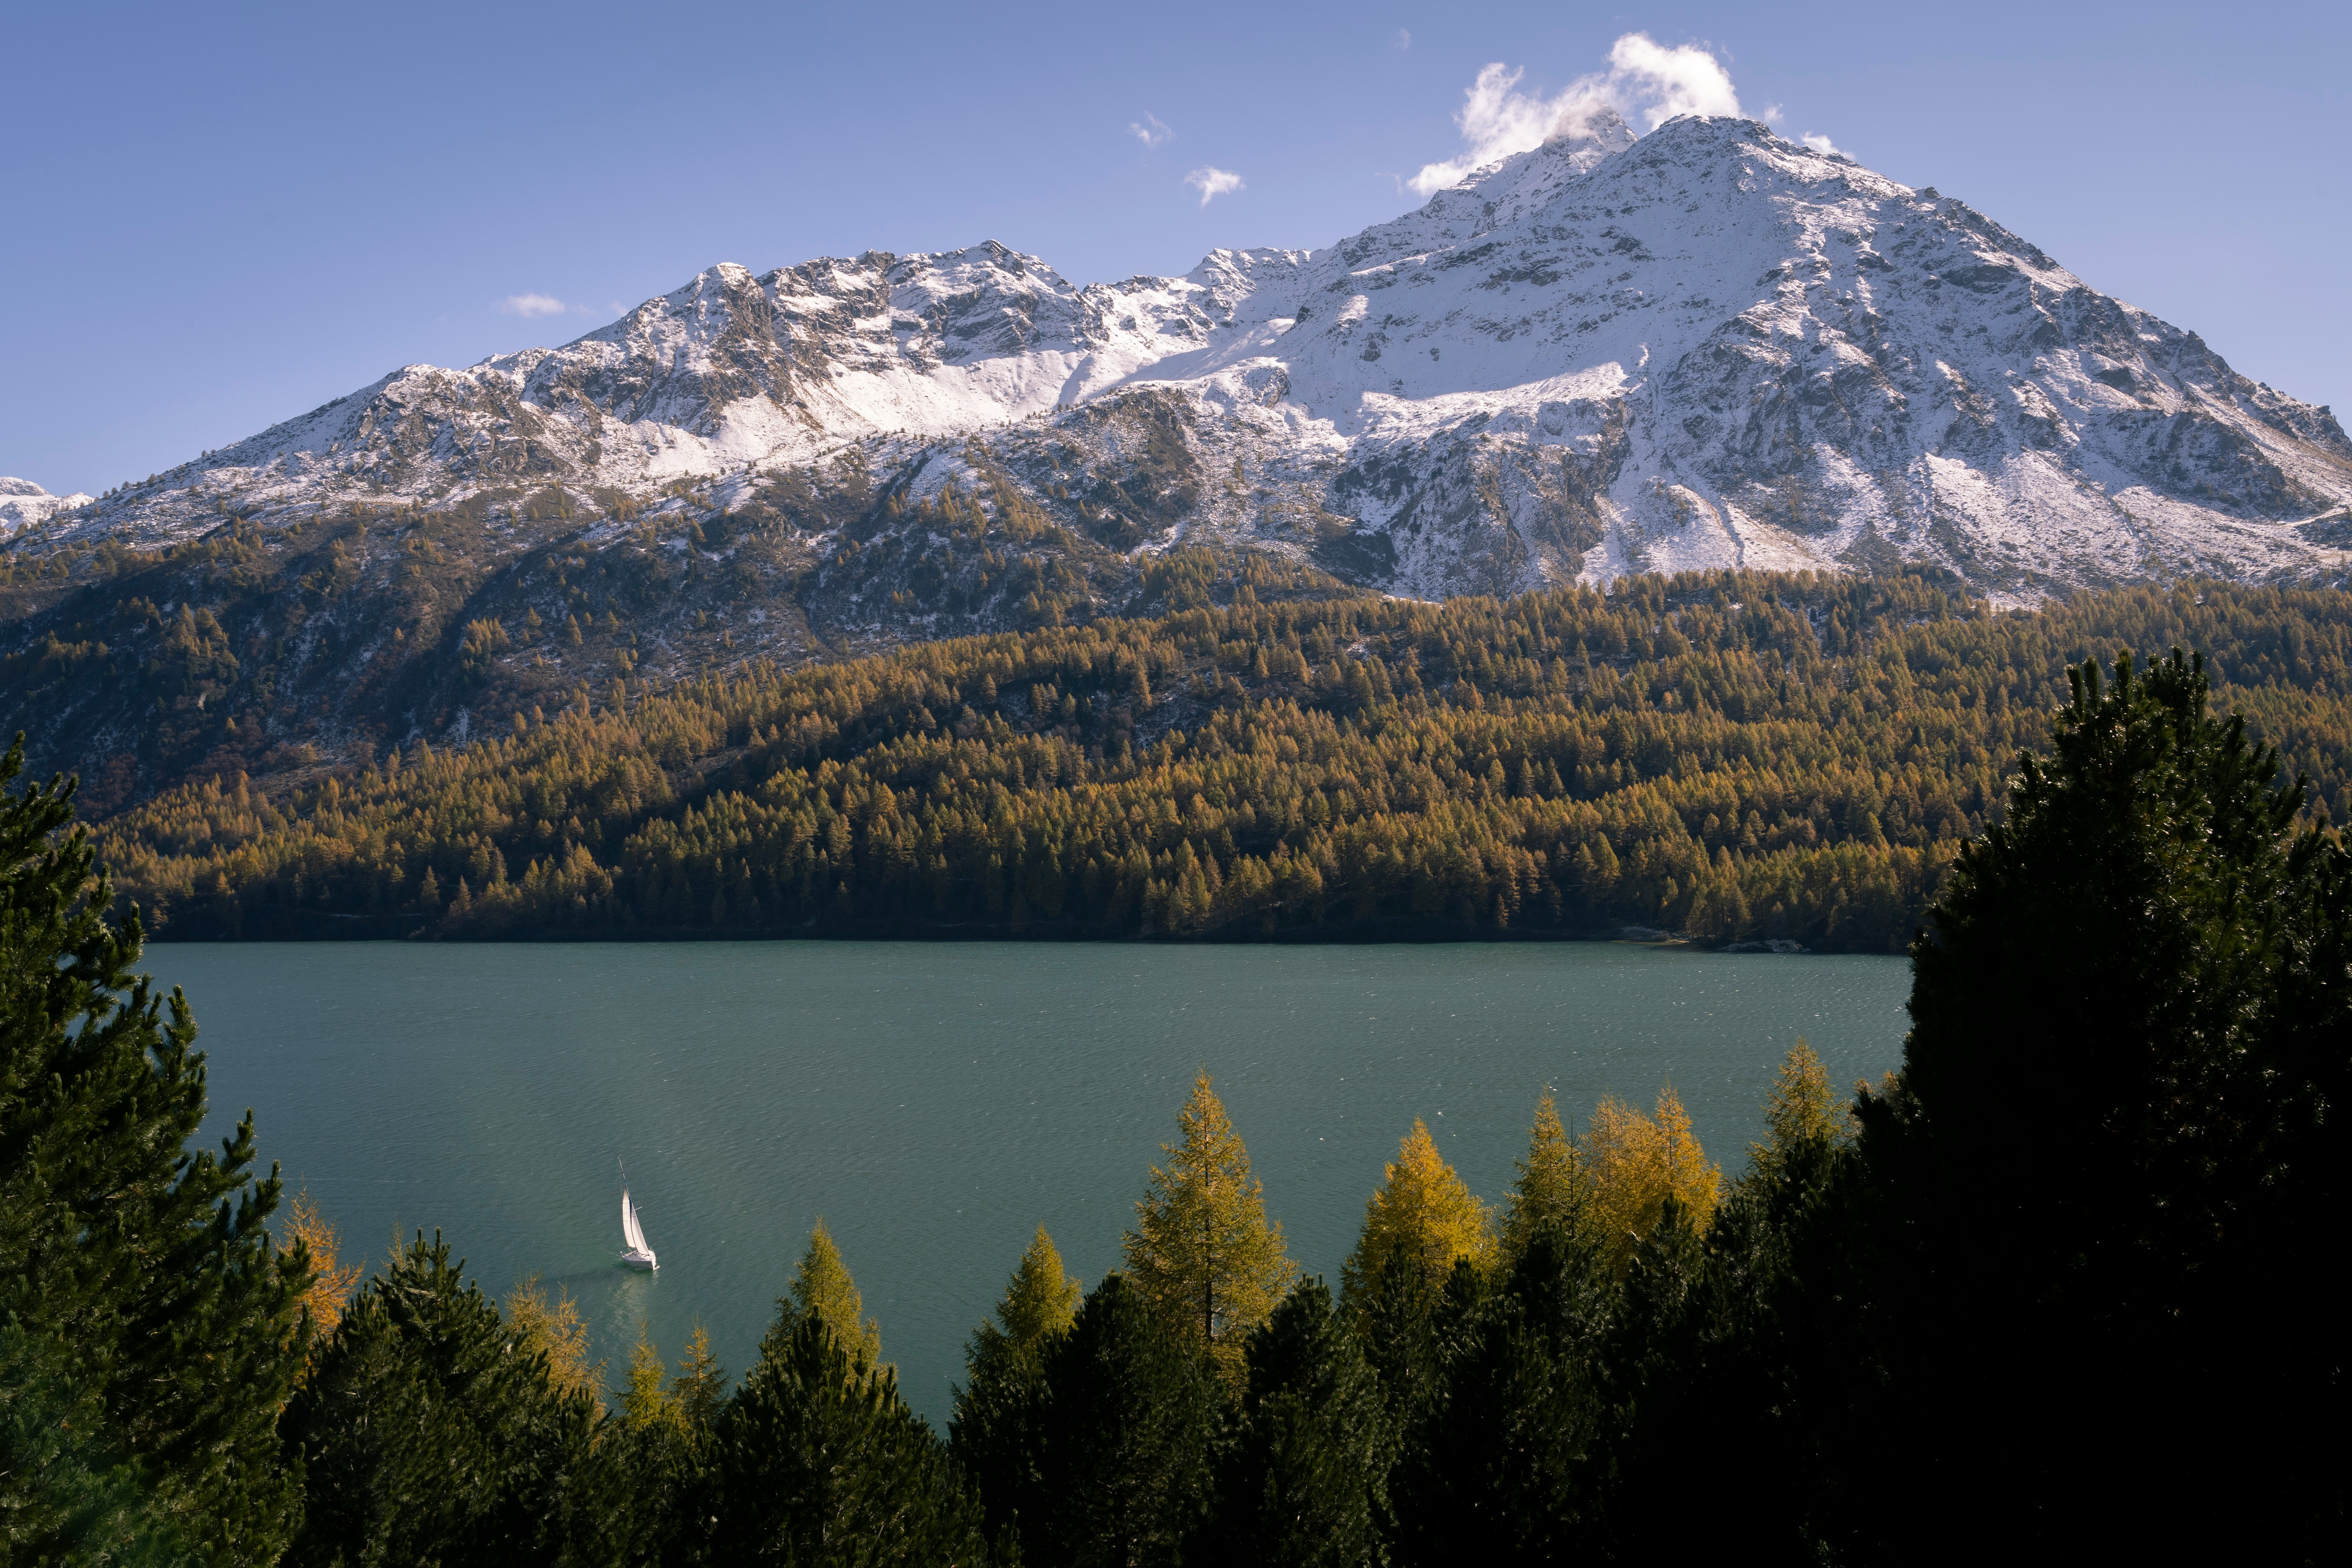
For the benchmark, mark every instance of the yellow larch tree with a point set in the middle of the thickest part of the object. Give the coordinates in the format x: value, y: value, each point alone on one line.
x: 1552, y: 1190
x: 822, y: 1288
x: 1202, y: 1249
x: 1039, y: 1302
x: 557, y: 1331
x: 644, y: 1401
x: 1799, y: 1109
x: 701, y: 1386
x: 331, y: 1281
x: 1636, y: 1162
x: 1423, y: 1216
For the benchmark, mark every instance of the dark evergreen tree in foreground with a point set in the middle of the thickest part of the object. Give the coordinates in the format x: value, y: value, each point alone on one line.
x: 429, y: 1432
x: 1502, y: 1462
x: 148, y: 1328
x: 2090, y: 1221
x: 819, y: 1460
x: 1127, y: 1435
x: 1305, y: 1479
x: 996, y: 1429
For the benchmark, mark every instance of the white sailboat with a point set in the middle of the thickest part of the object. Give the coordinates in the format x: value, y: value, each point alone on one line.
x: 637, y: 1253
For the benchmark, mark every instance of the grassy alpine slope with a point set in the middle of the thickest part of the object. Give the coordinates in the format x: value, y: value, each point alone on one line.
x: 1738, y: 757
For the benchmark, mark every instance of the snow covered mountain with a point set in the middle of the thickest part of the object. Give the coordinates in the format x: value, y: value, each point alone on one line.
x: 1705, y: 347
x: 24, y: 503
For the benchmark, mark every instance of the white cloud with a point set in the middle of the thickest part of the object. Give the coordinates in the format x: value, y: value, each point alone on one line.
x: 529, y: 305
x: 1149, y: 131
x: 1684, y: 80
x: 1497, y: 121
x: 1817, y: 143
x: 1212, y: 182
x: 1646, y: 80
x: 1403, y: 41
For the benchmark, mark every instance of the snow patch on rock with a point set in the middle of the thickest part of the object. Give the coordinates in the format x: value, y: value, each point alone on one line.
x: 23, y: 504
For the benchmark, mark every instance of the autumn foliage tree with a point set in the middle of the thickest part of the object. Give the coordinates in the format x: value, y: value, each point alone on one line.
x: 555, y: 1330
x: 2051, y: 1290
x: 1421, y: 1222
x: 1801, y: 1111
x: 1637, y: 1164
x: 332, y: 1279
x: 1553, y: 1190
x: 822, y: 1291
x: 1736, y: 756
x: 1202, y: 1251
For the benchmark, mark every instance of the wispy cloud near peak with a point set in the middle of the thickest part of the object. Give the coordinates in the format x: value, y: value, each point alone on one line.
x: 1645, y: 79
x: 1213, y: 182
x: 529, y: 305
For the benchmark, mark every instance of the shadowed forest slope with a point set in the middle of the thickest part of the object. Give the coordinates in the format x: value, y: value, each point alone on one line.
x: 1732, y: 757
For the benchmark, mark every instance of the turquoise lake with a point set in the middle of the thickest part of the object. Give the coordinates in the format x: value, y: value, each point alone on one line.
x: 933, y: 1103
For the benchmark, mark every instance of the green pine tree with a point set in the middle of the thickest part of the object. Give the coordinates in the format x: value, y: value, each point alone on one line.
x: 1131, y: 1414
x: 993, y: 1433
x: 1305, y: 1480
x: 148, y: 1327
x: 1502, y: 1451
x: 819, y: 1460
x: 430, y: 1432
x: 2087, y: 1213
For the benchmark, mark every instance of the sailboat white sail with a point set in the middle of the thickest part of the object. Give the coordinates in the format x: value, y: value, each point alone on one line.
x: 637, y: 1253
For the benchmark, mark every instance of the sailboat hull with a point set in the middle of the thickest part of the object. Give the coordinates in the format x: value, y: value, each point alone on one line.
x: 635, y: 1259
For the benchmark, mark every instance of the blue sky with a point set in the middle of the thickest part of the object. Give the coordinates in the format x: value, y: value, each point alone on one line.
x: 213, y: 217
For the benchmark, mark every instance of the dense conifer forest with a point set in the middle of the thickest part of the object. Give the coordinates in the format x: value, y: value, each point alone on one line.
x: 1735, y: 758
x: 2057, y: 1286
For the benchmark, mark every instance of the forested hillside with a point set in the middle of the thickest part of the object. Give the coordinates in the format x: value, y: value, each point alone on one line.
x: 1736, y: 757
x: 273, y: 649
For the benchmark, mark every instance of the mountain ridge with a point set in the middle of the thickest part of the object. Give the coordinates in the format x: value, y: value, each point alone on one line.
x: 1705, y: 348
x: 1740, y: 376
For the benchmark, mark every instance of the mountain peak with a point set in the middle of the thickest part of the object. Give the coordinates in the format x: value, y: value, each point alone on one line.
x: 1596, y: 133
x: 1709, y: 346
